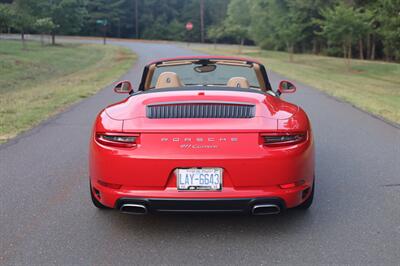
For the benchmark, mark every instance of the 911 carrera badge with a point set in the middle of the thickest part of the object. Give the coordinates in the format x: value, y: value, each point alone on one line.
x: 200, y: 140
x: 197, y: 146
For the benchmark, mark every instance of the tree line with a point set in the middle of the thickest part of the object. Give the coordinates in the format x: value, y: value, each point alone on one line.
x: 365, y: 29
x: 349, y: 28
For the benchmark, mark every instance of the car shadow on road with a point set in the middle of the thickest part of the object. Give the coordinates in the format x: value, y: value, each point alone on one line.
x: 215, y: 224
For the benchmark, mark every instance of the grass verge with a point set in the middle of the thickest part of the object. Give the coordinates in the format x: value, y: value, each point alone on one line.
x: 41, y: 81
x: 369, y: 85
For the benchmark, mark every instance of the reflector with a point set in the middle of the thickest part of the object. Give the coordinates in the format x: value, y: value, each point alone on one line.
x: 110, y: 185
x: 292, y: 185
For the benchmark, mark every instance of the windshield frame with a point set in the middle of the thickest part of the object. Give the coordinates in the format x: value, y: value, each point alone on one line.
x: 259, y: 69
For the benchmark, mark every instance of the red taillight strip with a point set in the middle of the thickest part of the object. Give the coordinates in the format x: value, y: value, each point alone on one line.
x: 118, y: 139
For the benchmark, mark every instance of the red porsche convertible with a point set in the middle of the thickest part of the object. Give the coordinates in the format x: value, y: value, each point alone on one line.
x: 202, y: 134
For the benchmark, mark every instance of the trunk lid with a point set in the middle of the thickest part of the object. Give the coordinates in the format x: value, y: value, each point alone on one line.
x: 201, y: 110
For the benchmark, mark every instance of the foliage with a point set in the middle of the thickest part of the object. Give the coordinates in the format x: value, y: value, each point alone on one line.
x: 340, y: 24
x: 216, y: 32
x: 5, y: 16
x: 369, y: 28
x: 343, y: 25
x: 66, y: 15
x: 389, y: 18
x: 22, y: 18
x: 237, y: 22
x: 44, y: 25
x: 156, y: 19
x: 109, y: 10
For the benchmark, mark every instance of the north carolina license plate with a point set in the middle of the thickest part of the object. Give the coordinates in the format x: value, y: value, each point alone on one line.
x: 199, y: 179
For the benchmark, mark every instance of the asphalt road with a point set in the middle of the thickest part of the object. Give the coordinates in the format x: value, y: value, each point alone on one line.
x: 46, y: 216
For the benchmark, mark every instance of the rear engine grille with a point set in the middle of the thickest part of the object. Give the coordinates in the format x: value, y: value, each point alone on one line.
x: 200, y: 110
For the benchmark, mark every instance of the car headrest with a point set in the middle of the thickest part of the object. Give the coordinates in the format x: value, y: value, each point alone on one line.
x: 168, y: 80
x: 238, y: 82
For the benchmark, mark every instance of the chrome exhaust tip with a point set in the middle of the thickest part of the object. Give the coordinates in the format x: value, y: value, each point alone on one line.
x: 133, y: 209
x: 265, y: 209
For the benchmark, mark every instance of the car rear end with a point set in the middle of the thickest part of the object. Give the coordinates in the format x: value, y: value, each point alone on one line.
x: 202, y: 153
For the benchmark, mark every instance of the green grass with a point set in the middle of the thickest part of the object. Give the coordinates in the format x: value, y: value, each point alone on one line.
x: 372, y: 86
x: 41, y: 81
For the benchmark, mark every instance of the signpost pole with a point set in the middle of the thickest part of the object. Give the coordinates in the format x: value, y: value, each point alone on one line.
x: 189, y: 27
x: 104, y: 35
x: 103, y: 25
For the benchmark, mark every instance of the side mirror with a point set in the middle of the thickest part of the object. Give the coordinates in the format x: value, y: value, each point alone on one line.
x: 286, y: 87
x: 124, y: 86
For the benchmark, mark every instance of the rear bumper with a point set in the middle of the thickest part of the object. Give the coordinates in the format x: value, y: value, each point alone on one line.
x: 162, y: 205
x: 229, y: 199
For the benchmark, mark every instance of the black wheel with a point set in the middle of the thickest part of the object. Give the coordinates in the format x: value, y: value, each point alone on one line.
x: 95, y: 201
x: 308, y: 202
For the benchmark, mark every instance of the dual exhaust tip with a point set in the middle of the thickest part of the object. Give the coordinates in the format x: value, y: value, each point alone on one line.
x: 261, y: 209
x: 265, y: 209
x: 133, y: 209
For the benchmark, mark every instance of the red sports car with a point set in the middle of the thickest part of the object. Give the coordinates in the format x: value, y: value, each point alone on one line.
x: 202, y: 134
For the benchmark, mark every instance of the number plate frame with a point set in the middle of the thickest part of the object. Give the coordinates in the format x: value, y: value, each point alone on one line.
x: 198, y: 182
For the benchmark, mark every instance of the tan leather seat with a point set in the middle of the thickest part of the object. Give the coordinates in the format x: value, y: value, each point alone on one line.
x: 168, y: 80
x: 238, y: 82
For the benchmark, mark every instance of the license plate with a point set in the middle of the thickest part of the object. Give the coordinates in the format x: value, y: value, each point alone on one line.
x: 199, y: 179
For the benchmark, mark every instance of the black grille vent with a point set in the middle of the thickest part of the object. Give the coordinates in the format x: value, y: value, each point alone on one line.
x: 200, y: 110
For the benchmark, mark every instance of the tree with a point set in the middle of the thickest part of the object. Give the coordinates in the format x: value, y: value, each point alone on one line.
x: 343, y: 25
x: 333, y: 27
x: 110, y: 10
x: 22, y: 18
x: 237, y: 22
x: 277, y: 24
x: 262, y: 28
x: 43, y: 26
x: 5, y: 16
x: 389, y: 19
x: 307, y: 11
x: 155, y: 19
x: 215, y: 33
x: 291, y: 25
x: 67, y: 15
x: 365, y: 28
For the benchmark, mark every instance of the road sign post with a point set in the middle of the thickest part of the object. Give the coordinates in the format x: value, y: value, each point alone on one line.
x: 103, y: 23
x: 189, y: 27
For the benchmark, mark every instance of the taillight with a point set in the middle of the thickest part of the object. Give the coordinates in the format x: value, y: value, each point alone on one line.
x: 278, y: 139
x: 117, y: 140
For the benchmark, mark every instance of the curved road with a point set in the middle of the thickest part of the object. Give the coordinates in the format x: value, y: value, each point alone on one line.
x: 46, y: 216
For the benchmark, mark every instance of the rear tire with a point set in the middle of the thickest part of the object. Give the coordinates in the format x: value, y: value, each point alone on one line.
x: 308, y: 202
x: 95, y: 201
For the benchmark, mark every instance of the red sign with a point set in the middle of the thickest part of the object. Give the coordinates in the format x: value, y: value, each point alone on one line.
x: 189, y: 26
